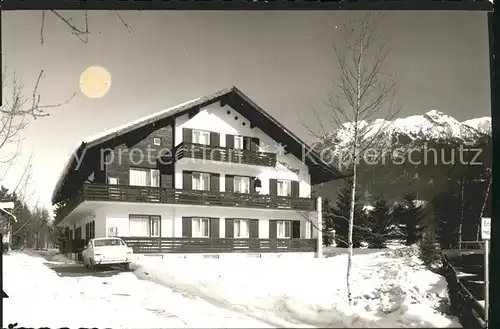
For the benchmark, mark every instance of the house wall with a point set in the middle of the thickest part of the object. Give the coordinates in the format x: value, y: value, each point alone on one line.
x: 98, y: 216
x: 143, y: 154
x: 216, y: 118
x: 117, y: 215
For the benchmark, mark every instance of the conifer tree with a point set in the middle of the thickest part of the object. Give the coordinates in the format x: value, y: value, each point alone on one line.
x: 380, y: 224
x: 341, y: 216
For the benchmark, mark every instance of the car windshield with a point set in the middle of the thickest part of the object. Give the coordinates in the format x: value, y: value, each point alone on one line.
x: 108, y: 242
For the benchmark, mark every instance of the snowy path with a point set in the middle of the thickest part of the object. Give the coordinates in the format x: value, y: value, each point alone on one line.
x: 69, y: 295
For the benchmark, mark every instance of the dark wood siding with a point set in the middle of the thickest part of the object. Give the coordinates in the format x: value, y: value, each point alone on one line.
x: 295, y: 229
x: 214, y: 227
x: 254, y: 228
x: 214, y: 182
x: 229, y: 228
x: 273, y: 229
x: 295, y: 189
x: 186, y: 227
x: 230, y: 141
x: 229, y: 183
x: 273, y: 187
x: 187, y: 180
x: 137, y: 150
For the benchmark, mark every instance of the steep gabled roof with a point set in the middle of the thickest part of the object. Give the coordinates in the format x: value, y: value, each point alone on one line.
x: 271, y: 126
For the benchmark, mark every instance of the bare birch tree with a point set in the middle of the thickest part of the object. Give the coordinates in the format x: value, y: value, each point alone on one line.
x: 363, y: 90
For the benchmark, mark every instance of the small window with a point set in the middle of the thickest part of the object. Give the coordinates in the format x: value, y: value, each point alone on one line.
x: 201, y: 137
x: 201, y: 181
x: 112, y: 232
x: 157, y: 141
x: 113, y: 180
x: 241, y: 228
x: 201, y: 228
x: 241, y: 184
x: 283, y: 229
x: 284, y: 188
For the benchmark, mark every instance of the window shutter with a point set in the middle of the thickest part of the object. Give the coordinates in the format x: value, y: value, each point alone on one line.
x: 229, y: 183
x: 254, y: 228
x: 295, y: 189
x: 230, y: 141
x: 229, y: 228
x: 273, y: 229
x: 187, y: 135
x: 254, y: 144
x: 273, y: 187
x: 214, y: 182
x: 295, y: 229
x: 187, y: 180
x: 214, y: 139
x: 186, y: 227
x: 214, y: 227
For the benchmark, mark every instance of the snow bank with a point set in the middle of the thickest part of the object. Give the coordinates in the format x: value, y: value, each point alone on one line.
x: 389, y: 289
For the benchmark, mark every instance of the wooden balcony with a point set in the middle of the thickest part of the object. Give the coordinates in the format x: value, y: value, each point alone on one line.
x: 126, y: 193
x: 145, y: 245
x: 224, y: 154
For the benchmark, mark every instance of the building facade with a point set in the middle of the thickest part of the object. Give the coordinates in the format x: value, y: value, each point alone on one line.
x: 216, y: 175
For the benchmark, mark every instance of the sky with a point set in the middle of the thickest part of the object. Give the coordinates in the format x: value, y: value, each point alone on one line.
x: 283, y: 60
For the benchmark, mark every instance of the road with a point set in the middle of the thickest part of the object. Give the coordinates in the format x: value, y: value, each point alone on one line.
x: 64, y: 294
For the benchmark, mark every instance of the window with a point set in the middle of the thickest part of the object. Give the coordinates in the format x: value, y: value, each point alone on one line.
x: 144, y: 177
x: 157, y: 141
x: 112, y: 231
x: 201, y: 181
x: 284, y: 188
x: 144, y: 225
x: 201, y: 137
x: 238, y: 142
x: 283, y: 229
x: 201, y: 228
x: 241, y: 228
x: 113, y: 180
x: 241, y: 184
x: 108, y: 242
x: 308, y: 230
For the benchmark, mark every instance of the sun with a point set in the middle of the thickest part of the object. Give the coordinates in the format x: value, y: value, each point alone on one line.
x: 95, y: 82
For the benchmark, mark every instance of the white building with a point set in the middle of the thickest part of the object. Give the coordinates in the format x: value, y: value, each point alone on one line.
x: 214, y: 175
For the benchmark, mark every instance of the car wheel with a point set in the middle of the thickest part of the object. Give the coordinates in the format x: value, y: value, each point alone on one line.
x: 85, y: 263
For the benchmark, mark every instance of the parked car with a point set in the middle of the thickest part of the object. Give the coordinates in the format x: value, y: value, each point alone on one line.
x: 107, y: 251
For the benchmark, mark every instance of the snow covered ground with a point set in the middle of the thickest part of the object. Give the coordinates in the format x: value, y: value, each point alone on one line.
x: 390, y: 289
x: 40, y: 297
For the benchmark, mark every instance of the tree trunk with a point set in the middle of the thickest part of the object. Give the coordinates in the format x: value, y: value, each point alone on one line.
x: 351, y: 226
x: 478, y: 234
x: 461, y: 213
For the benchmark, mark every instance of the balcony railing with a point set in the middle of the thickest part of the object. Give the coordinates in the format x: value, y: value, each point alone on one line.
x: 146, y: 245
x: 224, y: 154
x: 126, y: 193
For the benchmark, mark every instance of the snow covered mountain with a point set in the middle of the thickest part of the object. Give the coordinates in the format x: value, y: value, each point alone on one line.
x: 433, y: 125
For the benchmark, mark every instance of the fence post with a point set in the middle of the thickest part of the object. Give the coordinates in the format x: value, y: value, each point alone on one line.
x: 319, y: 239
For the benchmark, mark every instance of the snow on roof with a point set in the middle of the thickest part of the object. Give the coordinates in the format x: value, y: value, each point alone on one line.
x: 118, y: 129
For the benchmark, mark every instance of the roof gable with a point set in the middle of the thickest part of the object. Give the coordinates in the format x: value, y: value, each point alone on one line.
x: 228, y: 96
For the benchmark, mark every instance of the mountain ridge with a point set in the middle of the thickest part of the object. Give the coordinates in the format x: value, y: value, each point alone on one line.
x: 432, y: 125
